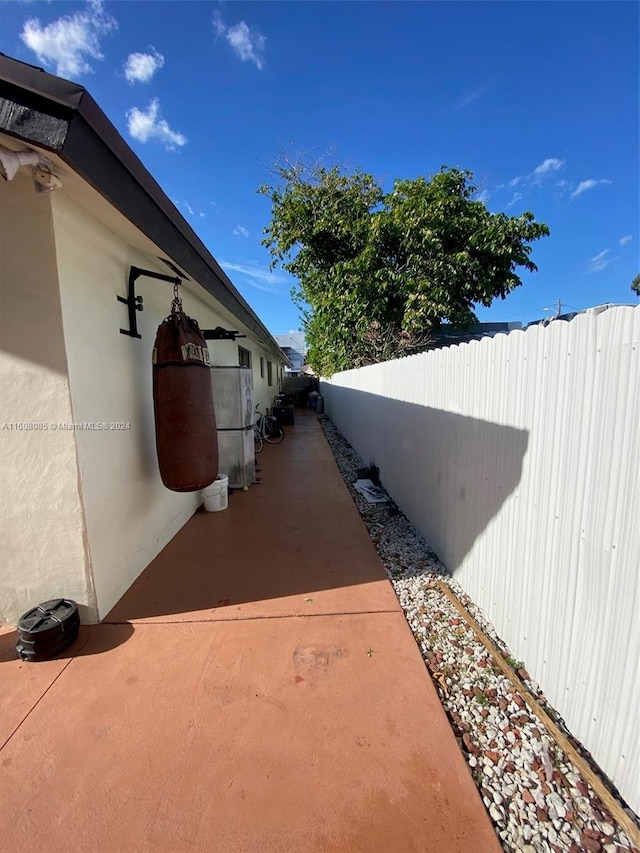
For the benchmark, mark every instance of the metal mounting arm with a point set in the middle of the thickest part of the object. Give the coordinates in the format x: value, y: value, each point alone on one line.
x: 134, y: 303
x: 220, y: 334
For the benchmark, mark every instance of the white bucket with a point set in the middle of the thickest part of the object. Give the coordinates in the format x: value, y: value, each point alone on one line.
x: 216, y: 496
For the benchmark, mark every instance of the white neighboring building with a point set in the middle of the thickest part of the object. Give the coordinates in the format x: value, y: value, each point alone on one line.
x: 84, y: 511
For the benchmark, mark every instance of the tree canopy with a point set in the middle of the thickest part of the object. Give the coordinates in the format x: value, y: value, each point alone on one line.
x: 379, y: 271
x: 635, y: 284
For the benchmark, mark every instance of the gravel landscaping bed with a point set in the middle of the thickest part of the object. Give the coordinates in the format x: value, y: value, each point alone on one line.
x: 537, y: 799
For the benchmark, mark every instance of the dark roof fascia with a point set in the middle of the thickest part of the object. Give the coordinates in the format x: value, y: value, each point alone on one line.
x: 62, y: 117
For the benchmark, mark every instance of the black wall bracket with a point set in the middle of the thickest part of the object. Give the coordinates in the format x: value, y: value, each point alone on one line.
x: 134, y: 303
x: 220, y: 334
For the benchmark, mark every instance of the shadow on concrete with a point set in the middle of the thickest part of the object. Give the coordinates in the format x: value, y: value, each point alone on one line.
x: 91, y: 640
x: 295, y: 544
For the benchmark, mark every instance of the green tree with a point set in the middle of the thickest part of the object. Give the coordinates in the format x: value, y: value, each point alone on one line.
x: 635, y: 285
x: 379, y: 271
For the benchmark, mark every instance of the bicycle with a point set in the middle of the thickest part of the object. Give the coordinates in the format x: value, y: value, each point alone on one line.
x: 266, y: 429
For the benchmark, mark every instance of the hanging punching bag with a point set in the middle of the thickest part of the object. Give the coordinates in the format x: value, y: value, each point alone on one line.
x: 186, y: 438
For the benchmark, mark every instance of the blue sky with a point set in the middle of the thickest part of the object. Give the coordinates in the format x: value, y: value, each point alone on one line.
x: 540, y: 100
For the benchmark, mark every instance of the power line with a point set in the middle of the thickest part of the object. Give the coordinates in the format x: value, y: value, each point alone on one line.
x: 558, y: 307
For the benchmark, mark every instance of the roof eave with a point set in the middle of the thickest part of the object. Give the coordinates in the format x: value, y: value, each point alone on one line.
x: 60, y: 116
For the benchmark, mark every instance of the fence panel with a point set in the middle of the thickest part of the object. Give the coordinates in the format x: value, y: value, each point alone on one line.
x: 518, y: 458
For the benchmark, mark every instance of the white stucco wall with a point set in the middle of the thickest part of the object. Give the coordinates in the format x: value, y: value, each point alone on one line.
x: 42, y: 530
x: 263, y: 393
x: 130, y: 516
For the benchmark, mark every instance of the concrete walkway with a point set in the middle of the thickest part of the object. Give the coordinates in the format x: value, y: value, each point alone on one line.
x: 257, y: 689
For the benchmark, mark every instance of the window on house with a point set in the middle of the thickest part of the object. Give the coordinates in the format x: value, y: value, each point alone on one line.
x: 261, y: 367
x: 244, y: 357
x: 269, y: 373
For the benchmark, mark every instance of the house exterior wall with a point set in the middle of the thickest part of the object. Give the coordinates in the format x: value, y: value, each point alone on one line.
x: 263, y: 393
x: 42, y: 525
x: 130, y: 515
x: 518, y: 459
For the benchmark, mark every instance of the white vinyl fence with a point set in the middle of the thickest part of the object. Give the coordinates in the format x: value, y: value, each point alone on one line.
x: 518, y: 458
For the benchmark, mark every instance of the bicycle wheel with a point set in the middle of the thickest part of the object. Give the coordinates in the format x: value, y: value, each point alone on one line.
x: 258, y: 443
x: 276, y: 436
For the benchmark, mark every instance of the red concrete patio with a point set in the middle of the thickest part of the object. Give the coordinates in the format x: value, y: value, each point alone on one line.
x: 257, y: 689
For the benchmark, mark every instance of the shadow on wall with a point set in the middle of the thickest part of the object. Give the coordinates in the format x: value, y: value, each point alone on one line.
x: 450, y: 474
x: 31, y: 319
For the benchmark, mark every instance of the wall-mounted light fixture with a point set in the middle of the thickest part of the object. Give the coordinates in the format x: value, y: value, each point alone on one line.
x: 44, y: 179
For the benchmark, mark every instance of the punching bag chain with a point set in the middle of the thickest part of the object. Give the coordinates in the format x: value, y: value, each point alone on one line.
x: 176, y: 305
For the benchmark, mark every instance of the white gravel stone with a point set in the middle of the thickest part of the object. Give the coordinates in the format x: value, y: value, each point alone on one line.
x: 496, y: 813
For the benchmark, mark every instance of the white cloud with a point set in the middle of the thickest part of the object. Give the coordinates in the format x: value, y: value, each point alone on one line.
x: 468, y: 99
x: 623, y: 241
x: 240, y: 231
x: 483, y: 196
x: 551, y: 164
x: 147, y: 124
x: 257, y: 276
x: 184, y: 205
x: 247, y: 44
x: 68, y: 41
x: 589, y: 184
x: 601, y: 261
x: 218, y: 24
x: 516, y: 198
x: 140, y: 67
x: 536, y: 177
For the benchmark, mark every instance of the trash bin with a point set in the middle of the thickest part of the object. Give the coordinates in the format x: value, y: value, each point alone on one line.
x: 320, y: 405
